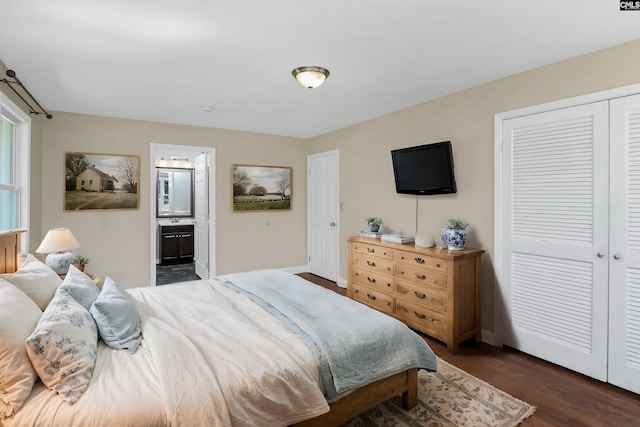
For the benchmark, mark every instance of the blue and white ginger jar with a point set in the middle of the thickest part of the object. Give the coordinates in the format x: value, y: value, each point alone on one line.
x: 455, y: 239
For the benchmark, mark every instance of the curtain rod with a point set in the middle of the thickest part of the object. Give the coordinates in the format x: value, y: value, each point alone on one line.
x: 12, y: 74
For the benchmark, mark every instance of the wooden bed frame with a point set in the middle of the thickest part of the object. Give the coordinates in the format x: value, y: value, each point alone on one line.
x: 358, y: 401
x: 342, y: 410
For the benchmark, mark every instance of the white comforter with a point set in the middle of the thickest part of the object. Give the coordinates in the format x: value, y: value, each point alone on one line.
x: 209, y: 357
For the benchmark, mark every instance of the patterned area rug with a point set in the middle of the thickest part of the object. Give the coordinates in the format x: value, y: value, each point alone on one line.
x: 449, y: 397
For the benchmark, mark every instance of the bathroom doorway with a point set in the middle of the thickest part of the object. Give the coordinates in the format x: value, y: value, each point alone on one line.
x: 188, y: 231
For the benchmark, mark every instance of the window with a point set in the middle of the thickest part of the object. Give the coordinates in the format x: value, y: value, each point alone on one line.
x: 14, y: 166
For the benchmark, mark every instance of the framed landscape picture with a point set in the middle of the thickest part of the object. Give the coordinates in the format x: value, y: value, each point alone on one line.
x: 259, y: 188
x: 101, y: 181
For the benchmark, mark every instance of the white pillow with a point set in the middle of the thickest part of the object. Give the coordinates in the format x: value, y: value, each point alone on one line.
x: 63, y: 347
x: 80, y: 287
x: 117, y: 318
x: 35, y: 279
x: 18, y: 317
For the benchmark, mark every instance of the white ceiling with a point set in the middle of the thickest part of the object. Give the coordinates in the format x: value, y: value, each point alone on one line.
x: 163, y: 60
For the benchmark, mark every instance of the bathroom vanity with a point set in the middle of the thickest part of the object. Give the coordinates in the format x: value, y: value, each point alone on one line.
x: 176, y: 243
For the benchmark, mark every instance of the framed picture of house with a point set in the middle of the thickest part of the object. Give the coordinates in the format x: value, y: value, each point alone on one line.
x: 101, y: 181
x: 260, y: 188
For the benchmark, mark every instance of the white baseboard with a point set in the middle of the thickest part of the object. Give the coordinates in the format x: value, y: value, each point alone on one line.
x: 487, y: 336
x: 342, y: 283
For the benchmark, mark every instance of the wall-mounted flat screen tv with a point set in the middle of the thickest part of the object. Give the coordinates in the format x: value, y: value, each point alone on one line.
x: 424, y: 169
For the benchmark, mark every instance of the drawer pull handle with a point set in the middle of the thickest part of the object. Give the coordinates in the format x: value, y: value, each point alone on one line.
x: 371, y: 263
x: 371, y: 250
x: 419, y: 295
x: 420, y: 276
x: 418, y: 315
x: 419, y: 260
x: 371, y: 280
x: 371, y: 297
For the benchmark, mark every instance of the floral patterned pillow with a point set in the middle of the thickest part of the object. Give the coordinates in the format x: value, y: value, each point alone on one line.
x: 63, y: 347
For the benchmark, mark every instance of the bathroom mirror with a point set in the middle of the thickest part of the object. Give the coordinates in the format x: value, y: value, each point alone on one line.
x: 174, y: 193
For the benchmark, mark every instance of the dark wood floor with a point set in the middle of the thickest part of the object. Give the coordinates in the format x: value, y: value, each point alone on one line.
x: 563, y: 397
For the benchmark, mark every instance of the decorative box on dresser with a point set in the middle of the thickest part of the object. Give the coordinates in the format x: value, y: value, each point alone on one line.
x: 435, y: 291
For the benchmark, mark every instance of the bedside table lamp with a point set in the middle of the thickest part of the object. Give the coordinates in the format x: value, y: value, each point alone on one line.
x: 57, y: 243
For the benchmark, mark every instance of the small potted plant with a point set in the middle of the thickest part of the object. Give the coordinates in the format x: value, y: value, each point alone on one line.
x: 79, y: 262
x: 455, y: 233
x: 374, y: 224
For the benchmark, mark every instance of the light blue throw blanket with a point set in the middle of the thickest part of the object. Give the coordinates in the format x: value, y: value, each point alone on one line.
x: 354, y: 344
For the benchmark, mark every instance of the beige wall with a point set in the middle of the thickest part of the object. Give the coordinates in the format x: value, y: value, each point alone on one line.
x: 118, y: 242
x: 467, y: 119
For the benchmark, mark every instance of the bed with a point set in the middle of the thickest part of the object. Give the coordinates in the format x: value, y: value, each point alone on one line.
x: 243, y: 349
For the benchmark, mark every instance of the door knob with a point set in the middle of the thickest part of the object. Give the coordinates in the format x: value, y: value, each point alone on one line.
x: 600, y: 254
x: 332, y: 223
x: 617, y: 256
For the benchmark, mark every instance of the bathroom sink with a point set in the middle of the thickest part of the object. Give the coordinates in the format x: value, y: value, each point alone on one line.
x: 169, y: 222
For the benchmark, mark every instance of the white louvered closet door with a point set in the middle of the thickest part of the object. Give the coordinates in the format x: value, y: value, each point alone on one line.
x: 555, y: 240
x: 624, y: 270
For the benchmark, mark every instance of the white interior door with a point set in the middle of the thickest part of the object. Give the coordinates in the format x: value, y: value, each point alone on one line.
x: 201, y: 238
x: 624, y: 257
x: 555, y: 236
x: 322, y: 189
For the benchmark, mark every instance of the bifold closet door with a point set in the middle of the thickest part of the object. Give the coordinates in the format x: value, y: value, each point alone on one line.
x: 555, y: 236
x: 624, y: 270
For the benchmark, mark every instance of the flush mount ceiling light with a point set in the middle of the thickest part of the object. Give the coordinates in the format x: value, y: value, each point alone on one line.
x: 310, y: 77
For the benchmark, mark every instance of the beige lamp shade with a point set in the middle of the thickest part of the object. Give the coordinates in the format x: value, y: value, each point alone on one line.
x: 58, y: 240
x: 57, y: 243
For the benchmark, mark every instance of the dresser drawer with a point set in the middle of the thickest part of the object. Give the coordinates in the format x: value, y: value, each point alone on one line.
x: 425, y: 296
x: 421, y: 276
x: 372, y: 263
x: 418, y: 260
x: 376, y: 299
x: 372, y: 280
x: 420, y: 318
x: 374, y: 250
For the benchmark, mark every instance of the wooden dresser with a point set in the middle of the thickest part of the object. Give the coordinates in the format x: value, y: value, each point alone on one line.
x: 435, y: 291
